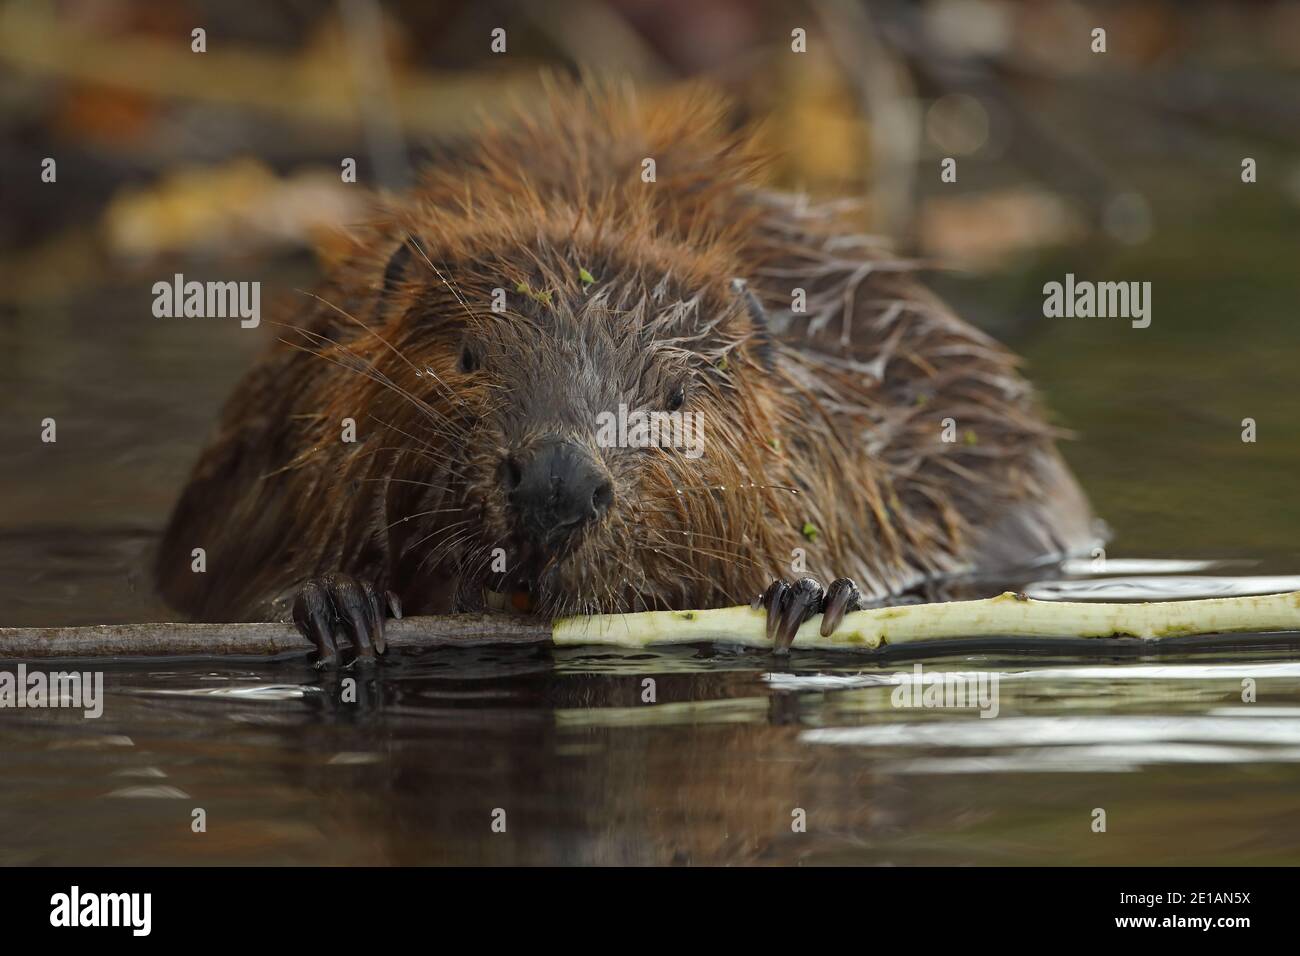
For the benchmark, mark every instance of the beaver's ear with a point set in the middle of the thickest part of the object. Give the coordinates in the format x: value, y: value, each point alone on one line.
x: 395, y: 271
x: 762, y: 339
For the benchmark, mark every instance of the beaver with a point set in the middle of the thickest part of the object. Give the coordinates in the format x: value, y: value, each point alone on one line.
x: 601, y: 252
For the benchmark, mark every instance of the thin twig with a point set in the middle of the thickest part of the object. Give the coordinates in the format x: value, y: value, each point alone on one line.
x: 1008, y: 616
x: 212, y: 640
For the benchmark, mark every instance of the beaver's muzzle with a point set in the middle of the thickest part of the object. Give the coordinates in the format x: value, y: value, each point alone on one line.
x: 554, y: 489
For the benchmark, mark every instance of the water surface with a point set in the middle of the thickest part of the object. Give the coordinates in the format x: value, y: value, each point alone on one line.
x: 715, y: 771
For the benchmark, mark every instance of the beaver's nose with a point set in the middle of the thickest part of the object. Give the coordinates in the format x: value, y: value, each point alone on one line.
x: 555, y: 488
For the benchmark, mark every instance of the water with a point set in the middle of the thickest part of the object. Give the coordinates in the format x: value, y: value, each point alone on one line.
x: 711, y: 773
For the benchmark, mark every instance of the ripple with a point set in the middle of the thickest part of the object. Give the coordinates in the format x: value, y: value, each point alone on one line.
x: 1093, y: 672
x: 1084, y: 567
x: 253, y: 692
x: 1161, y: 588
x: 1104, y: 758
x: 149, y: 793
x: 1060, y: 731
x: 354, y: 758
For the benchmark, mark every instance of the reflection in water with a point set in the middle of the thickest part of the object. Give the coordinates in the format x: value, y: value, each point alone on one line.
x: 714, y: 770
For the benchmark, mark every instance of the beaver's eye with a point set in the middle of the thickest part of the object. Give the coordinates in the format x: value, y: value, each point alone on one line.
x: 468, y: 359
x: 676, y: 397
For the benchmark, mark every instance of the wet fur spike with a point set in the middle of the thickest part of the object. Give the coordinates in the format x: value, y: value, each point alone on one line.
x: 828, y: 419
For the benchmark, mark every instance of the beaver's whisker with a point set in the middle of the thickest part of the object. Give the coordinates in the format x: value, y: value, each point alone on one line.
x: 408, y: 481
x: 436, y: 556
x: 421, y: 514
x: 378, y: 375
x: 443, y: 529
x: 421, y: 453
x: 690, y: 573
x: 671, y: 548
x: 444, y: 548
x: 733, y: 542
x: 375, y: 377
x: 353, y: 318
x: 424, y: 446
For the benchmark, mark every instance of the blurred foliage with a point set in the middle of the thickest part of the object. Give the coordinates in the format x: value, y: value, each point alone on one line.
x: 884, y: 92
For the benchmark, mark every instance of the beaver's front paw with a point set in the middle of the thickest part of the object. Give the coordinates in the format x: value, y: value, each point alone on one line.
x: 789, y: 605
x: 333, y: 606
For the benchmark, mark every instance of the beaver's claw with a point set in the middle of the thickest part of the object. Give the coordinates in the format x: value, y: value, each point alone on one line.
x: 842, y: 597
x: 337, y: 605
x: 789, y: 605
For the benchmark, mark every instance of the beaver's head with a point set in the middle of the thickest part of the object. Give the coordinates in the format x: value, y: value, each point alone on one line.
x: 585, y: 435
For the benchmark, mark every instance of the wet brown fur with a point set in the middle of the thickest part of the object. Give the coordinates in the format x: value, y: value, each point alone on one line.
x: 842, y: 433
